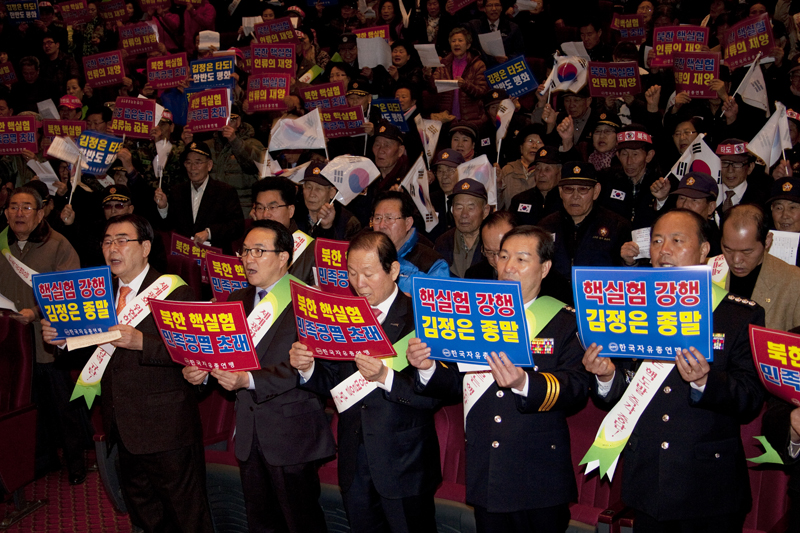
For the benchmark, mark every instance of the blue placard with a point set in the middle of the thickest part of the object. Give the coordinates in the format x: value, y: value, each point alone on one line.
x: 213, y: 73
x: 392, y: 112
x: 514, y: 76
x: 98, y: 150
x: 463, y: 321
x: 20, y: 11
x: 312, y: 3
x: 646, y: 313
x: 76, y: 302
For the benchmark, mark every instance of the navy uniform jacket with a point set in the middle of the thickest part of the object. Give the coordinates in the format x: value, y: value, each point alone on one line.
x: 685, y: 459
x: 518, y: 449
x: 289, y: 423
x: 396, y: 427
x: 617, y: 196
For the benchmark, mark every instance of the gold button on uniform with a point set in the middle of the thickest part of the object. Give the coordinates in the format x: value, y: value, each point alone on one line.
x: 495, y: 444
x: 500, y: 394
x: 498, y: 419
x: 667, y: 390
x: 665, y: 418
x: 664, y: 445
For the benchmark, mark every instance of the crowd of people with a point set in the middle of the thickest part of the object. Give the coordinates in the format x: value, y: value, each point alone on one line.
x: 576, y: 177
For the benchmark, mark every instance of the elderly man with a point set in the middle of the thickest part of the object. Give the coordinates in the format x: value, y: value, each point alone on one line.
x: 161, y: 461
x: 389, y: 156
x: 203, y: 209
x: 70, y: 108
x: 511, y: 426
x: 493, y: 229
x: 684, y: 463
x: 393, y: 215
x: 318, y: 215
x: 578, y: 107
x: 755, y: 274
x: 281, y: 431
x: 445, y: 168
x: 784, y: 205
x: 540, y: 200
x: 586, y: 234
x: 458, y: 245
x: 737, y: 167
x: 33, y: 246
x: 388, y: 449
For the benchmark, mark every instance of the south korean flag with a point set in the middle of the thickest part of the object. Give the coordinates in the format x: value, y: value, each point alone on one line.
x: 698, y: 157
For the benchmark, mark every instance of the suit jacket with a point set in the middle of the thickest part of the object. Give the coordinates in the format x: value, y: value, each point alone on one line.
x: 219, y: 211
x: 446, y: 245
x: 289, y: 423
x: 518, y: 448
x: 777, y: 290
x: 302, y: 266
x: 513, y: 43
x: 144, y: 392
x: 396, y: 427
x: 685, y: 459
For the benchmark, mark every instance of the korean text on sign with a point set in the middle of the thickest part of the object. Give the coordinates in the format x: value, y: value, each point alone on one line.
x: 370, y: 33
x: 139, y: 38
x: 275, y: 31
x: 208, y: 336
x: 267, y: 92
x: 465, y: 320
x: 645, y: 313
x: 17, y: 134
x: 209, y: 110
x: 213, y: 72
x: 631, y: 28
x: 668, y: 40
x: 694, y: 72
x: 22, y: 10
x: 226, y: 273
x: 613, y: 79
x: 459, y: 4
x: 337, y: 327
x: 98, y: 150
x: 277, y: 58
x: 167, y: 71
x: 776, y: 355
x: 746, y: 39
x: 112, y: 10
x: 325, y: 96
x: 7, y: 74
x: 74, y: 12
x: 104, y: 69
x: 76, y: 302
x: 342, y: 121
x: 134, y: 117
x: 180, y: 245
x: 331, y: 265
x: 392, y: 112
x: 63, y: 128
x: 514, y: 76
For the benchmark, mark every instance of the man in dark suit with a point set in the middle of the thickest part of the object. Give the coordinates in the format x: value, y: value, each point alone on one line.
x: 388, y: 449
x: 282, y: 433
x: 149, y: 410
x: 204, y: 209
x: 685, y: 468
x: 519, y: 469
x: 513, y: 43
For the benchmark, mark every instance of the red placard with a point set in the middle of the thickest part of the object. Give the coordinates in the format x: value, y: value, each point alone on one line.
x: 74, y: 12
x: 776, y: 355
x: 668, y: 40
x: 337, y: 327
x: 248, y: 59
x: 226, y: 273
x: 267, y: 92
x: 187, y: 2
x: 112, y: 10
x: 104, y: 69
x: 459, y: 4
x: 331, y: 265
x: 17, y: 134
x: 275, y: 31
x: 167, y: 72
x: 208, y: 336
x: 7, y: 74
x: 155, y: 4
x: 631, y: 28
x: 613, y: 79
x: 209, y: 110
x: 371, y: 33
x: 745, y: 40
x: 134, y: 117
x: 277, y: 58
x: 139, y: 38
x: 325, y: 96
x: 181, y: 245
x: 694, y: 71
x: 342, y: 121
x: 63, y: 128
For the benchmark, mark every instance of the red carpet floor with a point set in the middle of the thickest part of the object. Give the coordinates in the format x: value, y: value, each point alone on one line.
x: 78, y: 509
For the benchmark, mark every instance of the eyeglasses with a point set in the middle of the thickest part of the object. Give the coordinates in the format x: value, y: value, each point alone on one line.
x: 119, y: 242
x: 490, y: 254
x: 117, y: 206
x: 679, y: 134
x: 268, y: 209
x: 377, y: 219
x: 26, y: 209
x: 255, y: 253
x: 582, y: 190
x: 728, y: 164
x: 533, y: 141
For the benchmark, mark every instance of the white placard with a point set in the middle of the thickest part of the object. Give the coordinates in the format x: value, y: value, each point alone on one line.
x: 373, y: 52
x: 575, y: 48
x: 249, y: 24
x: 428, y: 55
x: 784, y: 246
x: 642, y: 238
x: 444, y: 86
x: 209, y: 39
x: 96, y: 339
x: 45, y: 173
x: 48, y: 110
x: 492, y: 43
x: 527, y: 5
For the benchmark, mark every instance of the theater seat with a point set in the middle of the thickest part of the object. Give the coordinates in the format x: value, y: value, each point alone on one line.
x: 17, y: 417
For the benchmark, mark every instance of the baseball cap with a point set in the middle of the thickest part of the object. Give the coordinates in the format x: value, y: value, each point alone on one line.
x: 448, y: 157
x: 547, y: 154
x: 494, y: 96
x: 471, y: 187
x: 733, y: 150
x: 198, y: 149
x: 577, y: 173
x: 347, y: 38
x: 120, y: 193
x: 609, y: 119
x: 358, y: 86
x: 785, y: 189
x: 313, y: 173
x: 390, y: 131
x: 72, y: 102
x: 697, y: 185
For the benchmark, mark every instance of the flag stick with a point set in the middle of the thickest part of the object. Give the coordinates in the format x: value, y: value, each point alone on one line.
x: 499, y: 144
x: 366, y: 140
x: 75, y: 179
x: 740, y: 85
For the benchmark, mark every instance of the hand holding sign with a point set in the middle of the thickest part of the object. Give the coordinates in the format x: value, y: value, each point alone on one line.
x: 371, y: 368
x: 194, y: 375
x: 418, y: 354
x: 602, y: 367
x: 300, y: 357
x: 505, y: 373
x: 693, y: 366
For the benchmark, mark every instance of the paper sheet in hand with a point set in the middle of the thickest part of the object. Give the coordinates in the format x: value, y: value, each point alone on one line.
x: 642, y: 238
x: 428, y: 56
x: 575, y: 48
x: 374, y: 52
x: 96, y: 339
x: 526, y: 5
x: 784, y: 245
x: 492, y: 43
x: 5, y: 303
x: 45, y: 173
x: 48, y: 109
x: 444, y: 86
x: 65, y: 149
x: 249, y: 24
x: 208, y: 39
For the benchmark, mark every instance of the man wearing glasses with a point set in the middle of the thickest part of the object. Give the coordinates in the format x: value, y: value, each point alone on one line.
x: 736, y: 187
x: 586, y: 234
x: 282, y: 433
x: 203, y: 209
x: 149, y: 411
x: 38, y: 248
